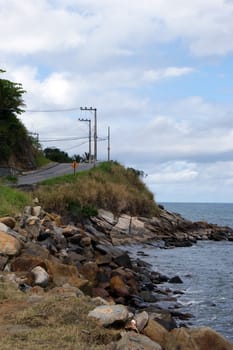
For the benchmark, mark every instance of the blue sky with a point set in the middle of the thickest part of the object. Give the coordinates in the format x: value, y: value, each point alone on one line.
x: 158, y: 71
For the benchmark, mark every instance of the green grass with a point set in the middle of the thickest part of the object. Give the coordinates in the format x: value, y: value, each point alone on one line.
x: 41, y: 160
x: 108, y: 186
x: 12, y: 201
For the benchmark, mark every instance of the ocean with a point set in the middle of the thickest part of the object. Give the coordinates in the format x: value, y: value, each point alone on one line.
x: 206, y: 268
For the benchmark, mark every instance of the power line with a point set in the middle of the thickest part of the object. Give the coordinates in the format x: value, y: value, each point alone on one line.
x: 52, y: 110
x: 64, y: 139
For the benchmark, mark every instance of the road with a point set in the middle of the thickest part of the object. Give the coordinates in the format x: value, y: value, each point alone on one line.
x: 49, y: 172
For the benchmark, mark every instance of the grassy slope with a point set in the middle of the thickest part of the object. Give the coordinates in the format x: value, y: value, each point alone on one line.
x: 109, y: 186
x: 51, y: 322
x: 12, y: 201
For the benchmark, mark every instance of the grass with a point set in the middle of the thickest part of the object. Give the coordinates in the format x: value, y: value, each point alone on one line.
x: 109, y: 186
x: 12, y: 201
x: 41, y: 160
x: 57, y: 322
x: 9, y: 290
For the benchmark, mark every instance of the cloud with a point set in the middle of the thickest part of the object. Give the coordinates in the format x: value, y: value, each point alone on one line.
x: 173, y: 172
x: 169, y: 72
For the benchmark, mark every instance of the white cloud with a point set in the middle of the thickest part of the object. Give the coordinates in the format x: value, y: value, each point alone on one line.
x: 174, y: 172
x: 170, y: 72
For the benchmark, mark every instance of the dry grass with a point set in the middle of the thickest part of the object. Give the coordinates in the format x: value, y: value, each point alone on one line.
x: 58, y: 322
x: 109, y: 186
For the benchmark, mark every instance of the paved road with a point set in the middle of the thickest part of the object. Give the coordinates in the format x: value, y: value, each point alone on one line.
x: 49, y: 172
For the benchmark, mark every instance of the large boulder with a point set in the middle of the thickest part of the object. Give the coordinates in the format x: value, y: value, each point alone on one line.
x: 203, y: 338
x: 156, y: 332
x: 134, y: 341
x: 106, y: 315
x: 8, y: 221
x: 9, y: 245
x: 207, y: 339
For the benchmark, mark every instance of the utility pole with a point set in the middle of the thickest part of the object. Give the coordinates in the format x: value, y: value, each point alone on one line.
x: 95, y: 129
x: 89, y: 122
x: 109, y: 144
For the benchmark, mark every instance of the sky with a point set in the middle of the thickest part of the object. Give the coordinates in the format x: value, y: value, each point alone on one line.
x: 159, y: 73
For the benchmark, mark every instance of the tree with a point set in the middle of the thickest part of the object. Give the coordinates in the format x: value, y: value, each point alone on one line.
x: 11, y: 101
x: 56, y: 155
x: 15, y: 144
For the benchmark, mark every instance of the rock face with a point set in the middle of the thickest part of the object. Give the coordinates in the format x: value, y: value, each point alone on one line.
x: 168, y: 227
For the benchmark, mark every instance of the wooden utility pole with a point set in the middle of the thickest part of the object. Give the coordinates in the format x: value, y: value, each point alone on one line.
x: 109, y: 143
x: 95, y: 129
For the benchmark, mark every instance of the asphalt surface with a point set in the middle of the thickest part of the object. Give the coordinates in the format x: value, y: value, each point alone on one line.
x: 49, y: 172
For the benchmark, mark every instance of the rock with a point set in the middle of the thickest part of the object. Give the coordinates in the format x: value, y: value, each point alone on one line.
x: 123, y: 224
x: 141, y: 320
x: 61, y: 274
x: 100, y: 292
x: 165, y: 319
x: 27, y: 263
x: 8, y: 221
x: 85, y: 241
x: 9, y: 245
x: 134, y: 341
x: 4, y: 227
x: 155, y: 332
x: 123, y: 260
x: 175, y: 279
x: 33, y: 226
x: 90, y: 271
x: 107, y: 315
x: 118, y: 286
x: 41, y: 277
x: 203, y: 338
x: 107, y: 216
x: 207, y: 339
x: 3, y: 262
x: 36, y: 211
x: 180, y: 339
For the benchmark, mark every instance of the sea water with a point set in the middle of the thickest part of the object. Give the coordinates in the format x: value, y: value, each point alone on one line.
x: 206, y: 268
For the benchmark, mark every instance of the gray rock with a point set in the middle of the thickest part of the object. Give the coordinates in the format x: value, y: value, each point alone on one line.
x: 106, y: 315
x: 141, y: 320
x: 41, y: 277
x: 134, y: 341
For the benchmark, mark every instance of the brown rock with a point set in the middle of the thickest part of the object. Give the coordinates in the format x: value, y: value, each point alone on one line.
x: 8, y: 221
x: 90, y: 271
x: 155, y: 332
x: 100, y: 292
x: 27, y: 263
x: 207, y: 339
x: 180, y: 339
x: 9, y: 245
x: 62, y: 274
x: 118, y: 286
x: 85, y: 241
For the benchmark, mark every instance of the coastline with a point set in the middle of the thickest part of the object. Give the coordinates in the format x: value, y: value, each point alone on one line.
x: 87, y: 256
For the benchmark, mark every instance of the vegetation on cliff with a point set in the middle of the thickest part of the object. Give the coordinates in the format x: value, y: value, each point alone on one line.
x: 108, y: 186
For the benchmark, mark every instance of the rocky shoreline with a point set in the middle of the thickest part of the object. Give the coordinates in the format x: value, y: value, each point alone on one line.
x: 38, y: 250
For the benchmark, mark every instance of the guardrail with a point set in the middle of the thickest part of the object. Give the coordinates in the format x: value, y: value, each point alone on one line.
x: 6, y: 171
